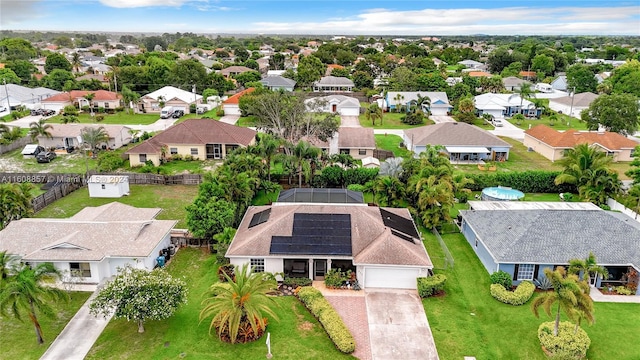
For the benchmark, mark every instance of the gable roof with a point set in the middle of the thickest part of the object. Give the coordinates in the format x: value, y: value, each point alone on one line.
x: 74, y: 130
x: 579, y: 100
x: 235, y: 99
x: 334, y: 81
x: 99, y: 95
x: 453, y: 134
x: 357, y: 138
x: 279, y: 81
x: 547, y: 236
x: 570, y: 138
x: 169, y: 93
x: 196, y: 132
x: 438, y: 98
x: 371, y: 241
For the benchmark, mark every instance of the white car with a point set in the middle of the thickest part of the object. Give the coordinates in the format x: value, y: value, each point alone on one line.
x: 497, y: 122
x: 3, y: 108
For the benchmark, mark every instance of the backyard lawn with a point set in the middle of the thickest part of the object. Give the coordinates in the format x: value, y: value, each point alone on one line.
x: 171, y: 198
x: 296, y: 335
x: 13, y: 161
x: 247, y: 121
x: 560, y: 124
x: 467, y: 321
x: 19, y: 338
x: 392, y: 143
x: 120, y: 118
x: 390, y: 120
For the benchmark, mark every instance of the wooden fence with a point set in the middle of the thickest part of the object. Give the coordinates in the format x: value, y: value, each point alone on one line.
x: 57, y: 192
x: 382, y: 155
x: 156, y: 179
x: 14, y: 145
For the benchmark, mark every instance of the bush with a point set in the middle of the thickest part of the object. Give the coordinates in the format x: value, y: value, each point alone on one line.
x: 413, y: 119
x: 566, y: 345
x: 519, y: 296
x: 359, y: 176
x: 188, y: 157
x: 428, y: 286
x: 336, y: 278
x: 99, y: 118
x: 219, y: 112
x: 70, y: 110
x: 176, y: 157
x: 327, y: 316
x: 530, y: 181
x: 503, y: 278
x: 227, y: 269
x: 293, y: 281
x: 109, y: 161
x: 192, y: 108
x: 622, y: 290
x: 86, y: 108
x: 466, y: 117
x: 356, y: 187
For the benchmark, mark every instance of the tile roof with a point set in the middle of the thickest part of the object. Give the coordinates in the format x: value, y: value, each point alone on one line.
x: 453, y: 134
x: 196, y: 132
x: 235, y: 99
x: 478, y: 73
x: 570, y: 138
x: 74, y: 130
x: 100, y: 95
x: 372, y: 242
x: 555, y: 236
x: 356, y: 138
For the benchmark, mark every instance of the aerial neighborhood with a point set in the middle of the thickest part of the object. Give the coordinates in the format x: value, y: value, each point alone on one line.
x: 184, y: 195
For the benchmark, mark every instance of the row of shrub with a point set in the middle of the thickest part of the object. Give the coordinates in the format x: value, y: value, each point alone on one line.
x: 530, y: 181
x: 337, y: 177
x: 327, y: 316
x: 519, y: 296
x: 431, y: 285
x: 569, y: 344
x: 296, y: 281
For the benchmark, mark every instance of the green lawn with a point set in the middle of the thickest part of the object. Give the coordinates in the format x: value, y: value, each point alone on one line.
x: 19, y: 338
x: 247, y: 121
x: 392, y: 143
x: 63, y: 163
x: 171, y: 198
x: 175, y: 167
x: 211, y: 114
x: 560, y: 124
x: 483, y: 124
x: 390, y: 120
x: 467, y: 321
x: 296, y: 335
x: 120, y: 118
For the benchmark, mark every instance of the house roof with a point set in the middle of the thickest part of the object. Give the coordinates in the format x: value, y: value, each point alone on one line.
x: 235, y: 70
x: 511, y: 81
x: 491, y: 101
x: 478, y: 74
x: 169, y: 93
x: 438, y: 98
x: 570, y: 138
x: 99, y: 95
x: 74, y: 130
x: 340, y: 100
x: 334, y: 81
x: 355, y: 137
x: 371, y: 241
x: 279, y: 81
x: 528, y: 73
x: 235, y: 99
x: 453, y: 134
x: 196, y: 132
x: 109, y: 230
x: 548, y: 236
x: 579, y: 100
x: 25, y: 94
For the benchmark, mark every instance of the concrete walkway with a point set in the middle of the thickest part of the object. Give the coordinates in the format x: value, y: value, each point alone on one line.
x: 230, y: 119
x: 159, y: 125
x: 597, y: 296
x: 508, y: 130
x: 438, y: 119
x: 77, y: 338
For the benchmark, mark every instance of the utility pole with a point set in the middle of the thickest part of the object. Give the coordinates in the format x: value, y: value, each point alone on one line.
x: 7, y: 93
x: 573, y: 94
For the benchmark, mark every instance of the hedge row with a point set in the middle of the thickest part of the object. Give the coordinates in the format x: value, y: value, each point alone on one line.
x: 519, y: 296
x: 332, y: 322
x: 567, y: 345
x: 431, y: 285
x: 530, y: 181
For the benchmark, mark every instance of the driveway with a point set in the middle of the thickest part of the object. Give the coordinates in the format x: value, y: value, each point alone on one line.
x: 230, y: 119
x: 349, y: 121
x: 25, y: 121
x: 441, y: 119
x: 159, y: 125
x: 509, y: 130
x: 398, y: 326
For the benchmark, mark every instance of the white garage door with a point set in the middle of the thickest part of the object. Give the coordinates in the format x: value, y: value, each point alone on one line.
x: 392, y: 278
x: 350, y: 111
x: 439, y: 111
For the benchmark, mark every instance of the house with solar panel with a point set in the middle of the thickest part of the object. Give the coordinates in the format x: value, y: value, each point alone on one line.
x: 309, y: 231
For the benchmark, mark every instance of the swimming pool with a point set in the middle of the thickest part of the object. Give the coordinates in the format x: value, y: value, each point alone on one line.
x: 501, y: 194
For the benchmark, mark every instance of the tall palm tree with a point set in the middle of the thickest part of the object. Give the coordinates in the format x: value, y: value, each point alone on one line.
x: 466, y: 105
x: 566, y: 292
x: 75, y: 61
x: 94, y: 136
x: 423, y: 104
x: 389, y: 190
x: 89, y: 97
x: 587, y: 267
x: 304, y: 151
x: 373, y: 113
x: 40, y: 128
x: 238, y: 306
x: 5, y: 265
x: 346, y: 160
x: 391, y: 167
x: 524, y: 91
x: 434, y: 199
x: 268, y: 147
x: 398, y: 99
x: 25, y: 291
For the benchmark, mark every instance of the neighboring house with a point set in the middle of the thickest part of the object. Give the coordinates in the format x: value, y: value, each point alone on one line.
x: 338, y: 104
x: 472, y: 64
x: 12, y: 95
x: 528, y: 75
x: 108, y: 100
x: 560, y: 83
x: 452, y: 80
x: 477, y: 73
x: 276, y: 82
x: 333, y: 84
x: 439, y: 101
x: 552, y: 144
x: 232, y: 71
x: 307, y: 238
x: 231, y: 106
x: 64, y: 136
x: 543, y: 87
x: 355, y: 141
x: 168, y: 96
x: 572, y: 105
x: 512, y: 83
x: 524, y: 238
x: 461, y: 141
x: 95, y: 242
x: 330, y: 68
x: 200, y: 138
x: 505, y: 105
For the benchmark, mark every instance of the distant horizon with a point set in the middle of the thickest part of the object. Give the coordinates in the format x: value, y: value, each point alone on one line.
x: 326, y: 17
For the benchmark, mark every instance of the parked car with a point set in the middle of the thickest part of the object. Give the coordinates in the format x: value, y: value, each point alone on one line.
x: 177, y: 114
x: 45, y: 157
x: 3, y: 108
x: 497, y: 123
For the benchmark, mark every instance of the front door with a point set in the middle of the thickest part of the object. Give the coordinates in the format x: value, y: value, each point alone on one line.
x: 217, y: 151
x: 319, y: 269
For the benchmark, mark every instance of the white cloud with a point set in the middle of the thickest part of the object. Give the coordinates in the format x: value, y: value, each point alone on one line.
x: 141, y: 3
x: 16, y: 11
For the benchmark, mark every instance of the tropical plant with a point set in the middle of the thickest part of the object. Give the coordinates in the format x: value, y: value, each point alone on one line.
x: 140, y: 295
x: 26, y: 290
x: 585, y: 268
x: 373, y: 113
x: 238, y: 307
x: 15, y: 202
x: 5, y: 265
x: 76, y: 62
x: 391, y: 167
x: 69, y: 118
x: 40, y: 128
x: 89, y: 97
x: 268, y: 147
x: 94, y: 136
x: 390, y: 191
x: 524, y: 91
x: 223, y: 240
x: 398, y: 99
x: 303, y: 151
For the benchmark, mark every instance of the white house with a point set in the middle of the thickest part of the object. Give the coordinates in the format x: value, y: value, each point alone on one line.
x: 95, y: 242
x: 504, y: 105
x: 333, y: 84
x: 70, y: 135
x: 169, y: 96
x: 340, y: 104
x: 108, y: 186
x: 439, y: 101
x: 572, y: 105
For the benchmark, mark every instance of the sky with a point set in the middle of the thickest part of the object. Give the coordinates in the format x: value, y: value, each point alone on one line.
x: 327, y: 17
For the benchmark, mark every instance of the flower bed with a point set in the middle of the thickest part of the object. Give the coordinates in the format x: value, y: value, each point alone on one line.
x: 567, y: 345
x: 519, y: 296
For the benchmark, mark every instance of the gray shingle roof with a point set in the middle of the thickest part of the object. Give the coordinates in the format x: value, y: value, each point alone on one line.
x: 454, y: 134
x: 555, y: 236
x: 278, y: 81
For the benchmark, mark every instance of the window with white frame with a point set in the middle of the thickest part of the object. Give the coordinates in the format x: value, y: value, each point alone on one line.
x: 525, y: 272
x: 173, y: 151
x: 257, y: 265
x: 142, y: 158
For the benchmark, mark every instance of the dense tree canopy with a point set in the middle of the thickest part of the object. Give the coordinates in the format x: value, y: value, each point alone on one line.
x: 617, y: 112
x: 56, y: 61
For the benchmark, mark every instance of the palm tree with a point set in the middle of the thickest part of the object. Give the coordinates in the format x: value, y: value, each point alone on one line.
x: 129, y: 97
x: 587, y: 267
x: 15, y: 202
x: 238, y: 306
x: 90, y: 97
x: 566, y: 291
x: 5, y: 262
x: 25, y: 291
x: 524, y: 91
x: 466, y: 105
x: 423, y: 104
x: 94, y: 136
x: 398, y: 99
x: 389, y: 190
x: 304, y: 151
x: 346, y: 160
x: 40, y: 128
x: 268, y: 146
x: 373, y: 113
x: 434, y: 199
x: 75, y: 61
x: 391, y: 167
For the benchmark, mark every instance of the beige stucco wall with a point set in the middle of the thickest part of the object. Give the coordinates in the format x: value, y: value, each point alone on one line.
x: 134, y: 159
x: 542, y: 148
x: 186, y: 150
x: 624, y: 155
x: 356, y: 155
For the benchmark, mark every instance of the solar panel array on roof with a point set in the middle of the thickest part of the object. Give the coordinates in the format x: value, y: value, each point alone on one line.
x: 260, y: 217
x: 399, y: 223
x: 316, y: 234
x: 321, y: 195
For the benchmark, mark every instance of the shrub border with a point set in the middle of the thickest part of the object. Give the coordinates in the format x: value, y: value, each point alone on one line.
x: 519, y: 296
